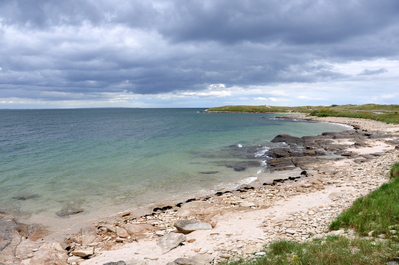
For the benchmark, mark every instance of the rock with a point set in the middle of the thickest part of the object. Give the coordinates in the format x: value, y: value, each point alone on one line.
x: 138, y: 230
x: 183, y: 261
x: 9, y: 239
x: 208, y: 172
x: 121, y: 262
x: 260, y: 254
x: 188, y: 226
x: 73, y: 259
x: 69, y: 211
x: 170, y: 241
x: 26, y: 197
x: 8, y: 230
x: 50, y: 253
x: 286, y: 138
x: 247, y: 204
x: 84, y: 253
x: 204, y: 259
x: 121, y: 232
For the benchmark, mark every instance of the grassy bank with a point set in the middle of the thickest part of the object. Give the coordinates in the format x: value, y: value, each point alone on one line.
x: 374, y: 220
x: 384, y: 113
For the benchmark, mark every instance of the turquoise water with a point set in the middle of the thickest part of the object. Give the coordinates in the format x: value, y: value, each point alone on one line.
x: 115, y: 159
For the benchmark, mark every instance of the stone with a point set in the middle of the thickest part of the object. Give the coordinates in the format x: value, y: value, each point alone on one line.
x: 204, y: 259
x: 26, y: 197
x: 73, y: 259
x: 183, y: 261
x: 121, y: 262
x: 138, y: 230
x: 9, y: 238
x: 84, y: 253
x: 170, y: 241
x: 65, y: 212
x: 121, y: 232
x: 188, y: 226
x: 50, y: 253
x: 247, y: 204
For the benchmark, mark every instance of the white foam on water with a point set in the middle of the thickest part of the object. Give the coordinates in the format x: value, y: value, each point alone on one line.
x: 239, y: 145
x: 247, y: 180
x: 262, y: 152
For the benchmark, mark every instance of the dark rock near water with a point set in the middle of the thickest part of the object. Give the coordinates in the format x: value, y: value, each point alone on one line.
x: 25, y: 197
x: 69, y: 211
x: 208, y: 172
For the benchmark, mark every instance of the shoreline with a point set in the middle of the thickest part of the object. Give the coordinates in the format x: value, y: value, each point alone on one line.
x: 241, y: 219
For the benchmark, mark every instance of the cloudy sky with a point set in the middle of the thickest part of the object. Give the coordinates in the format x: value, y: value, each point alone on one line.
x: 197, y: 53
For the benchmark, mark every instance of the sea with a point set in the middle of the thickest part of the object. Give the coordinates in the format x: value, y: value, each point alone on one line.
x: 100, y: 162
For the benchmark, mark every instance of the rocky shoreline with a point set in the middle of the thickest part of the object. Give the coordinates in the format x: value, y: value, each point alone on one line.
x: 326, y: 174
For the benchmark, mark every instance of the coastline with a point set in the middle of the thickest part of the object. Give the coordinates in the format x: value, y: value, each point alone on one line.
x: 242, y: 220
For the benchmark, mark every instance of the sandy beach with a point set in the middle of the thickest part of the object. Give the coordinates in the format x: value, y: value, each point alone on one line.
x: 230, y: 224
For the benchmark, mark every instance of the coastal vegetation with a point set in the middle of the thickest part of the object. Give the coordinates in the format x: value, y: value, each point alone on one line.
x: 383, y: 113
x: 373, y: 222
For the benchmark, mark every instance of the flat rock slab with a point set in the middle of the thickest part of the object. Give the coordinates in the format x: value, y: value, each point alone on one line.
x: 171, y: 241
x: 188, y: 226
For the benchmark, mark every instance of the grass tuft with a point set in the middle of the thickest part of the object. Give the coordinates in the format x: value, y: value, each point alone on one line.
x: 394, y: 170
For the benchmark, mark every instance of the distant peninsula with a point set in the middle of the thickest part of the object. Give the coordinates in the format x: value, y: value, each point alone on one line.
x: 384, y: 113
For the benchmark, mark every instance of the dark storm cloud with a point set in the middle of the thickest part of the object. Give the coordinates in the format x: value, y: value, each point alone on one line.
x: 151, y: 47
x: 373, y: 72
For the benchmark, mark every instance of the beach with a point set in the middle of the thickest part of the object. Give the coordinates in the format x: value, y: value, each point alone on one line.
x: 232, y: 223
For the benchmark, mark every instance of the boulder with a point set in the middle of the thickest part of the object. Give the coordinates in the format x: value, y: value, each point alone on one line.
x: 170, y: 241
x: 286, y: 138
x: 188, y: 226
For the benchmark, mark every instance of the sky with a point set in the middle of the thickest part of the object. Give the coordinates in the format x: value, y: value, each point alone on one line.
x: 192, y: 53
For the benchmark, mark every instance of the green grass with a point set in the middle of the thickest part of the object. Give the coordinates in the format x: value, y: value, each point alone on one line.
x: 384, y: 113
x: 376, y: 213
x: 370, y: 217
x: 259, y: 109
x: 329, y: 251
x: 394, y: 172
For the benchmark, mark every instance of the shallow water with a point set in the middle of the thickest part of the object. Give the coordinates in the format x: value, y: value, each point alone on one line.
x: 107, y: 160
